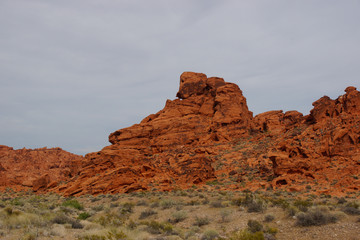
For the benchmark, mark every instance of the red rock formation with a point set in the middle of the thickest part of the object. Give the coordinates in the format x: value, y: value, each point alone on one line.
x: 208, y: 135
x: 324, y: 149
x: 162, y: 151
x: 35, y: 169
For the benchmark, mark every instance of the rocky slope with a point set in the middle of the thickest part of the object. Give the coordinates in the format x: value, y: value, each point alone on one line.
x: 208, y: 137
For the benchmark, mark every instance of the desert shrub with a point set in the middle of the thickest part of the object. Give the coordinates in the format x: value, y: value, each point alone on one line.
x: 155, y: 204
x: 73, y: 203
x: 98, y: 208
x: 216, y: 204
x: 110, y: 217
x: 141, y: 202
x: 17, y: 202
x: 61, y: 219
x: 29, y: 236
x: 83, y: 215
x: 224, y: 213
x: 131, y: 224
x: 252, y: 203
x: 127, y: 207
x: 303, y: 205
x: 246, y: 235
x: 341, y: 200
x: 254, y: 226
x: 210, y: 235
x: 114, y: 205
x: 269, y: 218
x: 113, y: 234
x: 351, y: 210
x: 283, y: 203
x: 19, y: 219
x: 192, y: 203
x: 116, y: 235
x: 316, y: 217
x: 292, y: 211
x: 147, y: 213
x: 178, y: 216
x: 155, y: 227
x: 271, y: 230
x: 192, y: 232
x: 201, y: 221
x: 76, y: 225
x: 94, y: 199
x: 205, y: 201
x: 256, y: 206
x: 9, y: 211
x: 114, y: 197
x: 167, y: 203
x: 249, y: 198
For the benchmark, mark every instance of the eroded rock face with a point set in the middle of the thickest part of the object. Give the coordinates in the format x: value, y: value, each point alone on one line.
x: 35, y: 169
x: 325, y: 148
x: 208, y: 135
x: 162, y: 152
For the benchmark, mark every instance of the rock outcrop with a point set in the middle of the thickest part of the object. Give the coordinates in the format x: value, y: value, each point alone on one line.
x: 36, y: 169
x: 205, y: 137
x: 169, y: 149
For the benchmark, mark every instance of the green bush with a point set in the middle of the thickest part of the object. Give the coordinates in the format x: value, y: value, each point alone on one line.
x: 73, y: 203
x: 83, y: 215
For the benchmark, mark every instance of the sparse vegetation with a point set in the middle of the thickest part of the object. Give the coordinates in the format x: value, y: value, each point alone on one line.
x: 178, y: 215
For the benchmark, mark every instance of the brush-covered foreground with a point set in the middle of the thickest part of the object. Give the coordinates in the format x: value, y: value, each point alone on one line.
x: 183, y: 214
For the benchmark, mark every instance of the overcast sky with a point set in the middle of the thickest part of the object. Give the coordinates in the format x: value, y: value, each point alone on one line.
x: 73, y: 71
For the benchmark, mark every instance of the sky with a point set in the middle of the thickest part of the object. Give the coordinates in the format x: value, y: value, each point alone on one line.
x: 73, y: 71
